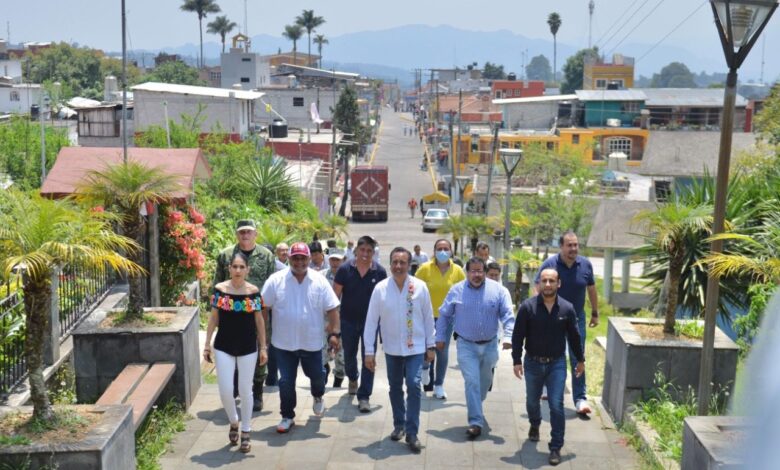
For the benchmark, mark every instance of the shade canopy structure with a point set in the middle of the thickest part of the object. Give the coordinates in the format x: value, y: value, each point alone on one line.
x: 437, y: 196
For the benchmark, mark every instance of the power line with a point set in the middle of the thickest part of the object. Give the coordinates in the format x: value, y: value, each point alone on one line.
x: 638, y: 25
x: 624, y: 24
x: 616, y: 21
x: 672, y: 31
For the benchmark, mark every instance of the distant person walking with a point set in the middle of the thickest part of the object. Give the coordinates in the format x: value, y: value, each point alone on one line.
x: 301, y: 299
x: 236, y: 314
x: 412, y: 205
x: 473, y: 308
x: 575, y: 273
x: 400, y: 307
x: 335, y: 260
x: 544, y: 324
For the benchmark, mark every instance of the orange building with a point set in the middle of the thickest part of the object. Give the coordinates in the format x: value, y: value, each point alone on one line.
x: 598, y: 74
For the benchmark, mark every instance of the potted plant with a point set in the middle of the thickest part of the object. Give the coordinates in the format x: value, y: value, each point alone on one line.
x: 38, y: 236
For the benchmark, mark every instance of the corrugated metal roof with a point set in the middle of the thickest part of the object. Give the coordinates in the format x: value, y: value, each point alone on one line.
x: 615, y: 225
x: 610, y: 95
x: 687, y: 97
x: 197, y: 90
x: 688, y: 153
x: 535, y: 99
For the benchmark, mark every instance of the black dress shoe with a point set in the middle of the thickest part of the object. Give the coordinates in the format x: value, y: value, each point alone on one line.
x: 337, y: 381
x: 414, y: 444
x: 397, y: 434
x: 555, y: 457
x: 428, y: 388
x: 533, y: 434
x: 474, y: 432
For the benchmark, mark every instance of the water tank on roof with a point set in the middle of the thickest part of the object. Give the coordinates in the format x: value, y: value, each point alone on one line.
x: 511, y: 77
x: 277, y: 129
x: 612, y: 122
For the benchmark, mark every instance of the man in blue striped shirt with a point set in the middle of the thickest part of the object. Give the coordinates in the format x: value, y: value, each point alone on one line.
x: 474, y: 307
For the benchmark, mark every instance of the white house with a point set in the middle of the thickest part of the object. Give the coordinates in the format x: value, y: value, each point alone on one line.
x: 241, y: 67
x: 294, y: 104
x: 223, y: 110
x: 18, y: 98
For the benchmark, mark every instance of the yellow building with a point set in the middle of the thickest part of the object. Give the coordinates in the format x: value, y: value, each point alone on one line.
x: 593, y: 145
x: 597, y: 74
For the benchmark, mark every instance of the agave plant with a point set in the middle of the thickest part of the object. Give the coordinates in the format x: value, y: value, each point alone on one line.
x: 270, y: 184
x: 39, y: 236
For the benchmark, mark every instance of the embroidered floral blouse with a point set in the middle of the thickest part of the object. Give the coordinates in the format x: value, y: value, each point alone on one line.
x: 236, y: 334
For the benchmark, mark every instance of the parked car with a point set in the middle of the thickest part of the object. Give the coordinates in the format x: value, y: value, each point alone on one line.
x: 433, y: 219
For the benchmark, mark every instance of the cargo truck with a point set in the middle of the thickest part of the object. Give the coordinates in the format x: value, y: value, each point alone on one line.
x: 370, y: 190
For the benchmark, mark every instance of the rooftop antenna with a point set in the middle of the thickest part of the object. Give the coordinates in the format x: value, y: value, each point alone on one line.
x: 591, y: 7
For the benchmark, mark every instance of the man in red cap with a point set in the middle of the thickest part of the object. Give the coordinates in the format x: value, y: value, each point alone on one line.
x: 301, y: 299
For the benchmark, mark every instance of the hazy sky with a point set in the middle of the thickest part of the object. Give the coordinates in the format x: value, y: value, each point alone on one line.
x: 160, y: 23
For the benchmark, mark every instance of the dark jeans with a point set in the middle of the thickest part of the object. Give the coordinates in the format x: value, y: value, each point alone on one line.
x: 553, y: 376
x: 399, y: 369
x: 351, y: 337
x: 273, y: 369
x: 311, y: 363
x: 578, y: 391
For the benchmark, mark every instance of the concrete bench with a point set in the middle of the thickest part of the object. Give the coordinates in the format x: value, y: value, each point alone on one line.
x: 138, y: 385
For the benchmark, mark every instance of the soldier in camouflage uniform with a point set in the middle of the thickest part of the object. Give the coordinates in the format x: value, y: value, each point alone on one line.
x: 261, y: 266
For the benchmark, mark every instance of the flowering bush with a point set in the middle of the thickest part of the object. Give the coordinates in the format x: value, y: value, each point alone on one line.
x: 182, y: 240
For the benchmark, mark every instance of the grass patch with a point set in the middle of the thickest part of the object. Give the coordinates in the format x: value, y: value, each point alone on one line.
x: 594, y: 368
x: 155, y: 435
x: 68, y: 424
x: 121, y: 319
x: 692, y: 329
x: 14, y: 440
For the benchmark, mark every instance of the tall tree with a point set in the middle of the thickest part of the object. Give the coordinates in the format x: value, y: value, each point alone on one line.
x: 493, y: 71
x: 221, y: 26
x: 554, y: 22
x: 124, y: 189
x: 574, y: 68
x: 201, y: 8
x: 309, y: 21
x: 320, y: 40
x: 174, y: 71
x: 539, y: 69
x: 346, y: 117
x: 293, y: 32
x: 768, y: 120
x: 674, y: 75
x: 38, y: 235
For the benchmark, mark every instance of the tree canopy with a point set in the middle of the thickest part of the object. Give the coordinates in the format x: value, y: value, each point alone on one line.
x: 493, y: 71
x: 674, y: 75
x: 767, y: 122
x: 539, y: 69
x: 574, y: 69
x: 174, y: 71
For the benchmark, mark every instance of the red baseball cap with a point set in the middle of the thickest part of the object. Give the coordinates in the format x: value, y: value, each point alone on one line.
x: 299, y: 248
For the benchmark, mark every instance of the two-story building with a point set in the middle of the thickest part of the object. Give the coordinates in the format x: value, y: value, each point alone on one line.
x: 599, y: 74
x: 511, y: 88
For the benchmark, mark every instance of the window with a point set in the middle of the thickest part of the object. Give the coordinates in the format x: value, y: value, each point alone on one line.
x: 601, y: 83
x: 244, y: 79
x: 631, y: 107
x: 518, y: 92
x: 575, y: 139
x: 619, y: 144
x: 498, y: 95
x: 246, y: 59
x: 504, y: 144
x: 550, y: 145
x: 518, y: 145
x: 298, y: 101
x: 14, y: 96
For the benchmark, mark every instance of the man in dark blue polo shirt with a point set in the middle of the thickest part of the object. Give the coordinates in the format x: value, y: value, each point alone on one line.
x: 544, y: 323
x: 576, y: 275
x: 354, y: 283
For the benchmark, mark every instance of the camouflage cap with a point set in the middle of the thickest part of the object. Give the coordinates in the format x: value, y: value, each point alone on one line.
x: 245, y: 224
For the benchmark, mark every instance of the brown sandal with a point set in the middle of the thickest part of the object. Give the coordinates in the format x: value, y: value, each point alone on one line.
x: 245, y: 445
x: 233, y: 435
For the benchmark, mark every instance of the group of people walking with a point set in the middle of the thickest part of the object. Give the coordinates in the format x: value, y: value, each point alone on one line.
x: 309, y: 312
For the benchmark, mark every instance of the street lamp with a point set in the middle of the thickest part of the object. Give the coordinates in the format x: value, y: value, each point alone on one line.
x: 739, y: 23
x: 510, y: 158
x: 461, y: 183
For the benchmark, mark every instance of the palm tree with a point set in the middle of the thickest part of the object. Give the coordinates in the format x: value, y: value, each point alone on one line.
x: 221, y: 26
x: 40, y: 235
x: 672, y: 228
x: 474, y: 227
x: 554, y: 22
x: 527, y: 263
x: 202, y: 8
x: 308, y: 21
x: 455, y: 227
x: 320, y: 40
x: 124, y: 189
x: 293, y: 32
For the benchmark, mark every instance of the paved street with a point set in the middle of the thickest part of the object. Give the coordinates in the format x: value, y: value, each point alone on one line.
x: 345, y: 439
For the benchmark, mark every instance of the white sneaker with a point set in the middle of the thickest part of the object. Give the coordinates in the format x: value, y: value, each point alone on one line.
x: 438, y: 392
x: 544, y: 392
x: 426, y: 377
x: 583, y: 408
x: 285, y: 425
x: 319, y: 406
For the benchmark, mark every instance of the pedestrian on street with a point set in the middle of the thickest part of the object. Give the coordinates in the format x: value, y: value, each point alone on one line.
x: 400, y: 307
x: 282, y: 251
x: 576, y: 275
x: 236, y: 313
x: 544, y: 324
x: 483, y: 251
x: 412, y: 205
x: 335, y: 260
x: 422, y: 208
x: 261, y: 266
x: 354, y: 283
x: 272, y: 379
x: 317, y: 257
x: 474, y: 307
x: 439, y: 274
x: 301, y: 299
x: 404, y: 131
x: 419, y: 256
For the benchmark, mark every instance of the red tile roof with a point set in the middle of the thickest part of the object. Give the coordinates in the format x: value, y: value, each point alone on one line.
x: 73, y: 163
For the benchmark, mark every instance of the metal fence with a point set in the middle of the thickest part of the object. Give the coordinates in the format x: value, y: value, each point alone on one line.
x: 13, y: 368
x: 79, y: 290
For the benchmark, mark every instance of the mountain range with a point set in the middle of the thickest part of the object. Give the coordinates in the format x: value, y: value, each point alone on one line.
x: 394, y: 53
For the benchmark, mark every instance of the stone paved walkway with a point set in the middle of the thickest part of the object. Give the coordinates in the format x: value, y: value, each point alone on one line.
x: 345, y: 439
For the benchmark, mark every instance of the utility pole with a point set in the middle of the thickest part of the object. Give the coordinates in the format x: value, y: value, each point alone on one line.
x: 42, y: 101
x: 591, y: 7
x: 460, y: 123
x: 490, y: 169
x: 124, y: 86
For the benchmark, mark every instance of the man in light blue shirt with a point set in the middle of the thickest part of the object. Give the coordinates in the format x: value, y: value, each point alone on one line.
x: 474, y: 307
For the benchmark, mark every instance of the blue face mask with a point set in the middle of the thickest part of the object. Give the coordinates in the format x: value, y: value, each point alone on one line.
x: 442, y: 256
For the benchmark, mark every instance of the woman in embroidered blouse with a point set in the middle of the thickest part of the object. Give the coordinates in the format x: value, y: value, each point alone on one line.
x: 236, y: 313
